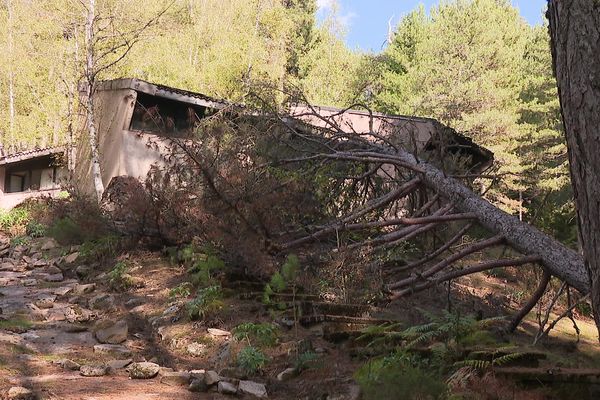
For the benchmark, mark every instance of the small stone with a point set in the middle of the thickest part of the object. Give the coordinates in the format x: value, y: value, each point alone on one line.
x: 49, y: 244
x: 54, y: 278
x: 82, y: 271
x: 196, y: 349
x: 45, y: 301
x: 111, y: 332
x: 211, y: 377
x: 69, y: 364
x: 20, y: 393
x: 93, y: 370
x: 198, y: 385
x: 226, y: 388
x: 52, y: 270
x: 119, y: 364
x: 84, y: 289
x: 287, y: 374
x: 77, y: 314
x: 143, y: 370
x: 102, y: 301
x: 71, y: 258
x: 62, y: 291
x: 173, y: 310
x: 112, y: 349
x: 253, y: 388
x: 218, y: 332
x: 29, y: 282
x: 181, y: 378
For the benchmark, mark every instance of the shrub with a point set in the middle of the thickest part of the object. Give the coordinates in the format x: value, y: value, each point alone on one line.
x: 181, y: 290
x: 118, y: 277
x: 251, y: 360
x: 263, y: 334
x: 35, y: 229
x: 15, y: 220
x: 208, y: 301
x: 398, y: 376
x: 66, y: 231
x: 102, y: 247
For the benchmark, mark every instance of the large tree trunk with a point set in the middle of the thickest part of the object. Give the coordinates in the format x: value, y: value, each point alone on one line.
x: 557, y: 259
x: 575, y: 38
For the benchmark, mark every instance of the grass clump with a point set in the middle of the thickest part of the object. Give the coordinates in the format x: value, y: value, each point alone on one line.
x: 263, y: 334
x: 251, y: 360
x: 16, y: 324
x: 398, y: 376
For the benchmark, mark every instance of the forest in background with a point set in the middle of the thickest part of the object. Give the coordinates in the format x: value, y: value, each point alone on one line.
x: 474, y: 65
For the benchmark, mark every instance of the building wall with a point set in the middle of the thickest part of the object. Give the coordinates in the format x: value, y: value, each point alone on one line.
x: 113, y: 111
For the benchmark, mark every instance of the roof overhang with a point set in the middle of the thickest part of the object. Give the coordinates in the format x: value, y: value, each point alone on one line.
x: 31, y: 154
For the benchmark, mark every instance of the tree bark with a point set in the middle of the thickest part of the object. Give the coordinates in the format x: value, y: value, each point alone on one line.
x: 11, y: 79
x: 575, y: 40
x: 90, y: 75
x: 559, y: 260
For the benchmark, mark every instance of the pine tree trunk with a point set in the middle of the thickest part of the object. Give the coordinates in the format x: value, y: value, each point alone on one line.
x: 575, y: 38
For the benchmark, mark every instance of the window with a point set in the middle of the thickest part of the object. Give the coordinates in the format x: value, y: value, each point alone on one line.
x: 35, y: 174
x: 164, y: 116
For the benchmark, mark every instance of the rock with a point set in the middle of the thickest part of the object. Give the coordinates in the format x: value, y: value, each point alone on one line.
x: 111, y: 332
x: 211, y: 377
x: 233, y: 372
x: 143, y: 370
x: 20, y: 393
x: 287, y: 374
x: 52, y: 270
x: 45, y: 301
x: 54, y: 278
x: 113, y: 349
x: 134, y: 302
x: 173, y: 310
x: 49, y: 244
x: 218, y: 332
x: 77, y: 314
x: 119, y: 364
x: 82, y: 271
x: 253, y: 388
x: 93, y: 370
x: 181, y: 378
x: 71, y: 258
x: 83, y: 289
x: 62, y: 291
x: 226, y: 388
x: 69, y: 364
x: 29, y: 282
x: 198, y: 385
x: 102, y: 301
x: 197, y: 374
x: 72, y: 328
x: 196, y: 349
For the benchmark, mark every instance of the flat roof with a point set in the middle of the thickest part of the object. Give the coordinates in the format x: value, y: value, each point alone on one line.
x: 30, y: 154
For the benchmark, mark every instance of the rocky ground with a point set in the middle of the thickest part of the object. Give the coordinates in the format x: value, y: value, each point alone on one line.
x: 65, y: 335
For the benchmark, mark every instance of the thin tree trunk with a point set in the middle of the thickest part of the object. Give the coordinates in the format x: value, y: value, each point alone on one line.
x: 11, y: 78
x: 575, y: 39
x: 91, y: 84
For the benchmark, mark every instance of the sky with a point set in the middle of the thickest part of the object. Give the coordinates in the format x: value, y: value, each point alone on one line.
x: 366, y: 21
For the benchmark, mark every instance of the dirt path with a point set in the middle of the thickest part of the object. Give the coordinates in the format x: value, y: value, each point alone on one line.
x: 45, y: 320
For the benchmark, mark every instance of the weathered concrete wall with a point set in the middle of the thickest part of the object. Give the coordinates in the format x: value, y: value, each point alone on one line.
x: 407, y: 131
x: 11, y: 200
x: 113, y: 112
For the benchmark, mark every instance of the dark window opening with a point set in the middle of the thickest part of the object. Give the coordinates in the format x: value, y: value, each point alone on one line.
x: 165, y: 116
x: 35, y: 174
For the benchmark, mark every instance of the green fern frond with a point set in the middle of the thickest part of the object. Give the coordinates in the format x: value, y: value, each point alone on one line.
x: 500, y: 361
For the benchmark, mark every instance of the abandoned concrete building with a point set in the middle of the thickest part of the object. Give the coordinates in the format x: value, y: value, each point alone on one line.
x: 130, y: 112
x: 31, y: 174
